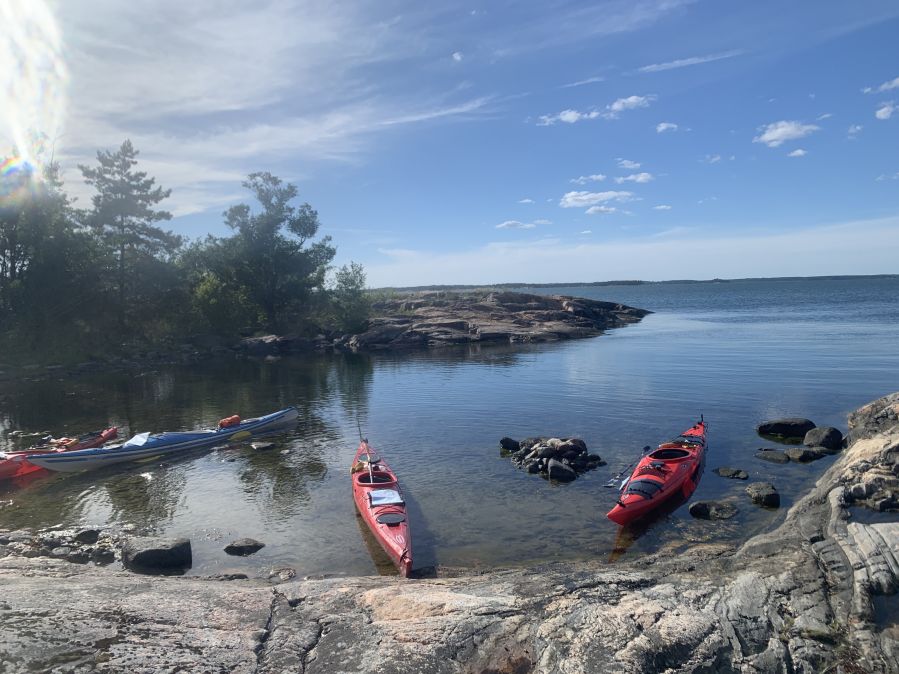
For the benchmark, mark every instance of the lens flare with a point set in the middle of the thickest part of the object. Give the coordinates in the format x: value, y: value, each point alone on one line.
x: 33, y: 78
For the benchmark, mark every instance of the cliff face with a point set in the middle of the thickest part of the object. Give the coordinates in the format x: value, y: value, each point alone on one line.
x: 436, y: 319
x: 806, y: 597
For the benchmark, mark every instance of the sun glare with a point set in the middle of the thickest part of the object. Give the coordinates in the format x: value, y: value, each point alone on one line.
x: 33, y: 75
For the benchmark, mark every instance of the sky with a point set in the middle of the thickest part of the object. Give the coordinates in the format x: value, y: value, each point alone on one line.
x: 488, y: 142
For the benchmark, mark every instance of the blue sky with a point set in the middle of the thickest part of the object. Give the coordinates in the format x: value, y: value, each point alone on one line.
x: 511, y: 141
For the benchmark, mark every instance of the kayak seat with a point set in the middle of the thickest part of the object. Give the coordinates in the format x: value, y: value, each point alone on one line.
x: 375, y: 477
x: 667, y: 454
x: 381, y: 497
x: 390, y: 518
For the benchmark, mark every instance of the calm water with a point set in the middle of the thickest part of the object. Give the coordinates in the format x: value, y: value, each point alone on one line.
x: 738, y: 352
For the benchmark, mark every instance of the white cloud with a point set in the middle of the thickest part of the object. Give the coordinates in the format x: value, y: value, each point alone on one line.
x: 711, y: 159
x: 515, y: 224
x: 601, y: 210
x: 665, y: 126
x: 777, y: 133
x: 581, y: 199
x: 543, y: 221
x: 822, y: 117
x: 886, y: 86
x: 750, y: 252
x: 884, y: 176
x: 628, y: 164
x: 799, y: 152
x: 567, y: 116
x: 635, y: 178
x: 583, y: 180
x: 886, y: 110
x: 629, y: 103
x: 587, y: 231
x: 525, y: 201
x: 854, y: 130
x: 580, y: 83
x: 457, y: 56
x: 662, y: 207
x: 692, y: 61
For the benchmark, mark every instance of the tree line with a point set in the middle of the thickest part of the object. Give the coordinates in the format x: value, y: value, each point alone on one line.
x: 112, y: 277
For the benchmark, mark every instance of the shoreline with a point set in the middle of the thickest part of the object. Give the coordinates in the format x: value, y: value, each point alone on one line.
x: 803, y: 597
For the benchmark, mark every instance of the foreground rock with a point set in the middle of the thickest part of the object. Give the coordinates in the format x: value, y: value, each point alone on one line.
x: 154, y: 555
x: 559, y: 459
x: 764, y: 494
x: 800, y: 598
x: 435, y: 319
x: 243, y: 547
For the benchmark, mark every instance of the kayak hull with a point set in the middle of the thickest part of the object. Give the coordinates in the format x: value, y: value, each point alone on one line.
x: 16, y: 464
x: 672, y: 470
x: 379, y: 500
x: 163, y: 444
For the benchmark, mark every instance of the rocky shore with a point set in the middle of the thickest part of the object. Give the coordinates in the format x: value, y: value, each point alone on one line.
x: 810, y: 596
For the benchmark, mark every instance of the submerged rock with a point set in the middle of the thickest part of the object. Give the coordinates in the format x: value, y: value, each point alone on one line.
x: 732, y: 473
x: 772, y: 455
x: 803, y: 454
x: 712, y: 510
x: 764, y: 494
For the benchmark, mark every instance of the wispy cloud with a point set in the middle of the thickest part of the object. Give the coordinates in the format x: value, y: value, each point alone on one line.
x: 515, y: 224
x: 662, y: 207
x: 635, y: 178
x: 587, y: 231
x: 543, y: 221
x: 692, y: 61
x: 628, y: 164
x: 777, y: 133
x: 601, y: 210
x: 457, y: 56
x: 525, y: 201
x: 620, y: 105
x: 799, y: 152
x: 854, y: 130
x: 823, y: 116
x: 567, y: 116
x: 662, y: 127
x: 886, y: 86
x: 582, y: 199
x: 711, y: 159
x: 583, y: 180
x: 581, y: 83
x: 886, y: 110
x: 886, y: 176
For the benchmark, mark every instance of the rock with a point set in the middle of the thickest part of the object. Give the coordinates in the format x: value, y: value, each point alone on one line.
x: 825, y: 436
x: 792, y: 428
x: 228, y: 576
x: 283, y: 573
x: 860, y: 491
x: 764, y: 494
x: 103, y: 555
x: 547, y: 452
x: 509, y: 444
x: 149, y: 555
x: 78, y: 557
x: 533, y: 467
x: 243, y: 547
x: 712, y: 510
x: 773, y: 455
x: 262, y: 446
x: 732, y: 473
x: 89, y: 536
x: 60, y: 552
x: 803, y: 454
x: 556, y: 470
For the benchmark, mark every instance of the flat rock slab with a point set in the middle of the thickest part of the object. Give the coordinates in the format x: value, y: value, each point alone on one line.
x: 773, y: 456
x: 803, y: 454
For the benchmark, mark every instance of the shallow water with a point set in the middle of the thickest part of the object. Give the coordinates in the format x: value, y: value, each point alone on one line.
x: 738, y: 352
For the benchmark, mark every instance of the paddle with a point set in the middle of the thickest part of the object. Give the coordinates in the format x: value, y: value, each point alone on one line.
x: 615, y: 480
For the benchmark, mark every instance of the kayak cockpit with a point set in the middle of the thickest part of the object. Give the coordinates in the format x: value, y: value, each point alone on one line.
x: 667, y: 453
x: 374, y: 477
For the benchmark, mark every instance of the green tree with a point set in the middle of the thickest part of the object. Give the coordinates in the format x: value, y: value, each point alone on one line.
x: 271, y: 262
x: 124, y: 217
x: 351, y: 305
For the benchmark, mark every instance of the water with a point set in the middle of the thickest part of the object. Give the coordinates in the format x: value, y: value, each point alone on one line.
x: 738, y: 352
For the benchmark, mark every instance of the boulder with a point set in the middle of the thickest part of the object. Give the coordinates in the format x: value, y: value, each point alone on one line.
x: 150, y: 555
x: 764, y: 494
x: 825, y: 436
x: 556, y: 470
x: 577, y: 441
x: 89, y: 536
x: 547, y: 452
x: 243, y: 547
x: 529, y: 443
x: 712, y: 510
x: 792, y: 428
x: 732, y: 473
x: 509, y: 444
x: 803, y: 454
x: 772, y: 455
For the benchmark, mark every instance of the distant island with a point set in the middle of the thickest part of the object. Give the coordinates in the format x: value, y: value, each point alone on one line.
x: 625, y: 282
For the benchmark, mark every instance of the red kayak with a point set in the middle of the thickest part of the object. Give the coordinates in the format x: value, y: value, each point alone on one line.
x: 16, y: 464
x: 673, y: 469
x: 380, y: 502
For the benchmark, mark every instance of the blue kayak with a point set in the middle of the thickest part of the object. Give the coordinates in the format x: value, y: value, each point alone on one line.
x: 146, y: 445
